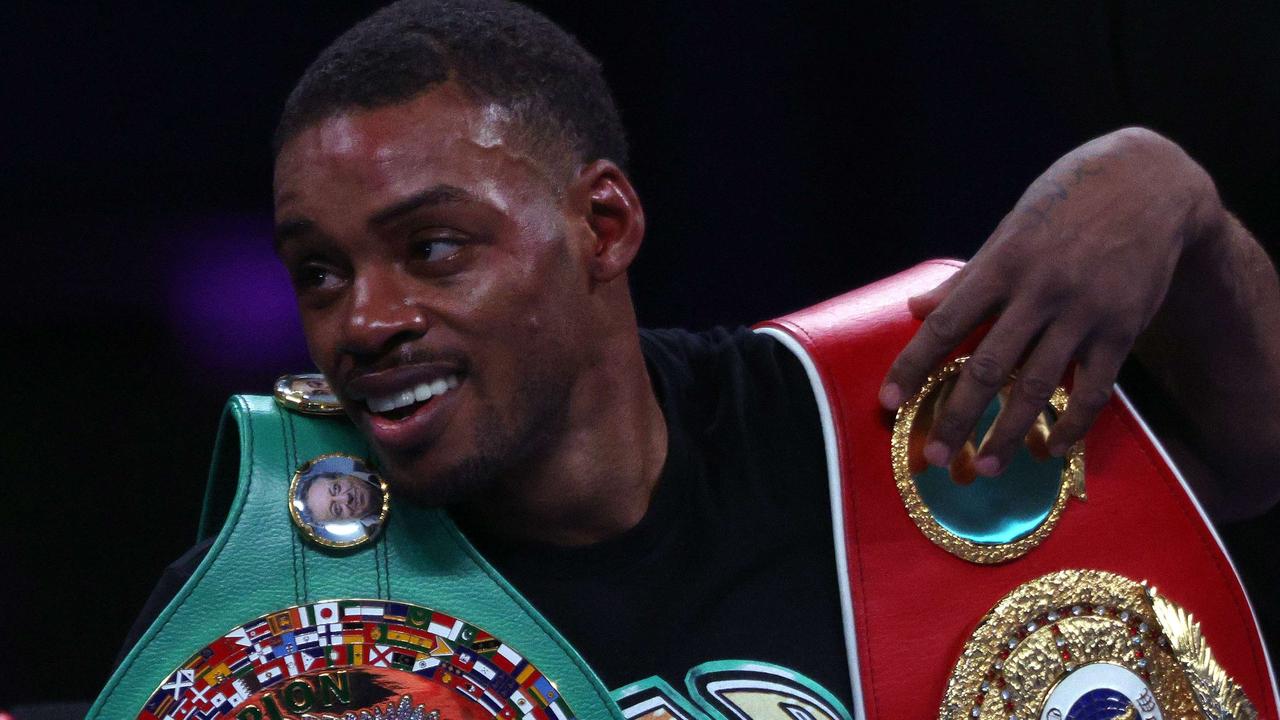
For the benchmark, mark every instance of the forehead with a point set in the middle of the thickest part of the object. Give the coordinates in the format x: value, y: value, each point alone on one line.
x: 372, y: 157
x: 323, y: 483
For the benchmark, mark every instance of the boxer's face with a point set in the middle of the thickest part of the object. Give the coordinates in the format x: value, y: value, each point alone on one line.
x: 440, y: 281
x: 341, y: 497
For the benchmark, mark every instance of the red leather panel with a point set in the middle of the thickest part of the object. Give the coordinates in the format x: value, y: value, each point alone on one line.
x: 915, y: 604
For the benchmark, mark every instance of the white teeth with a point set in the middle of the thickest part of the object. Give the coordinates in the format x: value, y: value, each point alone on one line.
x: 419, y: 393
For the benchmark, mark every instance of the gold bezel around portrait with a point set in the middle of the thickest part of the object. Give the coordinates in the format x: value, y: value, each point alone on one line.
x: 309, y: 531
x: 302, y: 402
x: 1071, y: 483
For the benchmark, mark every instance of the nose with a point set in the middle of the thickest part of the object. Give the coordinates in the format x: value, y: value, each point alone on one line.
x: 382, y: 314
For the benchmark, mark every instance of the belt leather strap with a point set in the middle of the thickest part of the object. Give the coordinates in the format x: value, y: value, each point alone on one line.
x: 258, y: 564
x: 909, y: 605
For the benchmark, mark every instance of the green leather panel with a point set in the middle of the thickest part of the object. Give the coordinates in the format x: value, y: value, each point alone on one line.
x: 259, y: 563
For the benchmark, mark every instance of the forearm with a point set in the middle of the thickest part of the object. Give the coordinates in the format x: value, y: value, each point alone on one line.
x: 1214, y: 350
x: 1123, y: 237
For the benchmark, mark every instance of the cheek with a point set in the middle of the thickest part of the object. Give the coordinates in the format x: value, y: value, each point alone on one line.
x: 515, y: 302
x: 549, y: 312
x: 523, y: 336
x: 321, y: 340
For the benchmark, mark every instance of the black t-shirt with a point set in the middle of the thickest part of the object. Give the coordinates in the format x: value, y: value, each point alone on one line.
x: 734, y: 558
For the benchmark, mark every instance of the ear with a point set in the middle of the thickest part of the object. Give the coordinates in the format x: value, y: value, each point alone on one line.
x: 612, y: 210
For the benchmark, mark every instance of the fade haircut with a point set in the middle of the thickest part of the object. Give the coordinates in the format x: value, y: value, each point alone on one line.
x: 496, y: 51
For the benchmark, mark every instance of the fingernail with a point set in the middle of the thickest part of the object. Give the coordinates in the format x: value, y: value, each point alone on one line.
x: 937, y: 453
x: 987, y: 466
x: 890, y: 396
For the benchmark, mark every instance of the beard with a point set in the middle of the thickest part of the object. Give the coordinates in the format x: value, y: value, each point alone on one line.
x: 500, y: 448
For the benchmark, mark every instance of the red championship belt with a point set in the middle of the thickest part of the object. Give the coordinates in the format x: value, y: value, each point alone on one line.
x: 1121, y: 599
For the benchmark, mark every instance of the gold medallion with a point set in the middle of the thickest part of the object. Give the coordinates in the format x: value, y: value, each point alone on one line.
x: 981, y: 519
x: 1089, y: 644
x: 307, y: 393
x: 338, y: 501
x: 357, y: 659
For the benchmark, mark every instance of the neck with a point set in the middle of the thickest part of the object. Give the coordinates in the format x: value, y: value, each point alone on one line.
x: 596, y: 478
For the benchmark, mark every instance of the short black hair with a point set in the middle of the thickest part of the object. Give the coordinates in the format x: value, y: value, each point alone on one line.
x: 496, y: 50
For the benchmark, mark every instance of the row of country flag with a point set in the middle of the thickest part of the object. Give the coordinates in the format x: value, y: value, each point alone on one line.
x: 184, y: 696
x: 350, y: 634
x: 336, y: 611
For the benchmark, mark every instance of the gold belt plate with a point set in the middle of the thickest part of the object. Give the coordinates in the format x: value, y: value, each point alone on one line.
x: 1089, y: 644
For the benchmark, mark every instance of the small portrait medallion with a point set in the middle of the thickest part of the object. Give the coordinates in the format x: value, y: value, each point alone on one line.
x: 338, y: 501
x: 307, y: 393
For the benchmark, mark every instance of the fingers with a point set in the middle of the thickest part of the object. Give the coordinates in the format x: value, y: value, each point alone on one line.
x: 946, y: 325
x: 1094, y: 378
x: 980, y: 379
x: 916, y: 463
x: 962, y: 466
x: 1037, y: 439
x: 1020, y: 419
x: 924, y: 303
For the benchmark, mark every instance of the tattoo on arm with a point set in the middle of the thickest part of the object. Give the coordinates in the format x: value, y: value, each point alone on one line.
x: 1058, y: 190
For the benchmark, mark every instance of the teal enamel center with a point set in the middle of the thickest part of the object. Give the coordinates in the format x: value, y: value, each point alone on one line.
x: 998, y: 510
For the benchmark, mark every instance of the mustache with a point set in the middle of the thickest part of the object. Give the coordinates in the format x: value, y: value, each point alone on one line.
x: 407, y: 355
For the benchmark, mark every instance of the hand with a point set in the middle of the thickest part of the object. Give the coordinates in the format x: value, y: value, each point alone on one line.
x: 1075, y: 272
x: 962, y: 466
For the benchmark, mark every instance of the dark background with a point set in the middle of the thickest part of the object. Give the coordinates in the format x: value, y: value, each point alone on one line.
x: 784, y: 151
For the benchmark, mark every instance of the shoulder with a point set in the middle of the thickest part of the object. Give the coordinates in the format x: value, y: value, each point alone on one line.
x: 735, y: 359
x: 727, y: 378
x: 718, y: 350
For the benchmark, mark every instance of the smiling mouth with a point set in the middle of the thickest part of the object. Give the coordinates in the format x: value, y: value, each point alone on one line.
x: 405, y: 403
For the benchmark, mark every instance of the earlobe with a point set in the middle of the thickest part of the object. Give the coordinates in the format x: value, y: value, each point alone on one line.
x: 616, y: 219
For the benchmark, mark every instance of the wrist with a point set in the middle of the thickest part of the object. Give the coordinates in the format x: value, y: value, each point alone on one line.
x: 1208, y: 222
x: 1188, y: 186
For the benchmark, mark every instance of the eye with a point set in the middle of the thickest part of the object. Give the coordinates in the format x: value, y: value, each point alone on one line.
x: 437, y: 250
x: 315, y: 275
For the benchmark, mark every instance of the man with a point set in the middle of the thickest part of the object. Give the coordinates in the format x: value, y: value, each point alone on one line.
x: 453, y: 206
x: 335, y: 496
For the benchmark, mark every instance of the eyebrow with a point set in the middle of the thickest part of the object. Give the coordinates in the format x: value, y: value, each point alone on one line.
x: 430, y: 197
x: 290, y: 229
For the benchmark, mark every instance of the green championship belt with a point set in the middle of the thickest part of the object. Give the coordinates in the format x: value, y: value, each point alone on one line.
x: 302, y: 610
